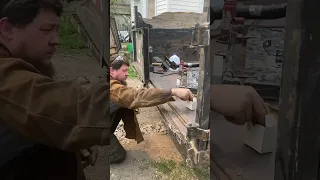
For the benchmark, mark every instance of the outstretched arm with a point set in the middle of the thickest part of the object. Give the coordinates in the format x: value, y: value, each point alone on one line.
x: 58, y: 114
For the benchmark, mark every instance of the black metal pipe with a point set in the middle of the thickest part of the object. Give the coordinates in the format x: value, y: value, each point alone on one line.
x: 253, y: 12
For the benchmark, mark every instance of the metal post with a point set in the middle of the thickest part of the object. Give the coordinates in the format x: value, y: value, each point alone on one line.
x: 198, y: 133
x: 299, y: 116
x: 202, y: 35
x: 146, y: 55
x: 105, y: 51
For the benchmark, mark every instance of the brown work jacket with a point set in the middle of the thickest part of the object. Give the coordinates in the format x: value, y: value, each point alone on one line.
x: 55, y: 113
x: 132, y: 98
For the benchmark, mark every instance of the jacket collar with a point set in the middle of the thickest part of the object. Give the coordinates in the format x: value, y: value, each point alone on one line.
x: 4, y: 51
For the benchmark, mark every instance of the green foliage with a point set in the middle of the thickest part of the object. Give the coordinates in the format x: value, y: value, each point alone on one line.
x: 131, y: 72
x: 69, y: 37
x: 113, y: 1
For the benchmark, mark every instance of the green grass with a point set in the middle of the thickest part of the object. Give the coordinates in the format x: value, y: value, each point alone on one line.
x: 165, y: 166
x: 172, y: 170
x: 131, y: 72
x: 69, y: 37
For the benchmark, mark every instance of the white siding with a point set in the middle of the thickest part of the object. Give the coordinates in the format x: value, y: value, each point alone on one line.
x: 144, y: 7
x: 132, y: 9
x: 186, y: 6
x: 161, y: 6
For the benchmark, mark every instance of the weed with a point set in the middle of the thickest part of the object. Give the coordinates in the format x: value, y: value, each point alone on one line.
x: 69, y: 37
x: 131, y: 72
x: 171, y: 170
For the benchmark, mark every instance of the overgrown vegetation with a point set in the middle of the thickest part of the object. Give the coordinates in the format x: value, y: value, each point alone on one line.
x: 171, y: 170
x: 69, y: 37
x: 113, y: 1
x: 131, y: 72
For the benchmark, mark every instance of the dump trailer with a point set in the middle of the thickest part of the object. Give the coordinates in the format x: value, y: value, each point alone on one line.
x: 296, y: 155
x: 246, y: 49
x: 153, y: 44
x: 92, y: 20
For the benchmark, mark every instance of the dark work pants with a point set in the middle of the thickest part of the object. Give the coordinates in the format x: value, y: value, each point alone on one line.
x: 115, y: 121
x: 41, y: 163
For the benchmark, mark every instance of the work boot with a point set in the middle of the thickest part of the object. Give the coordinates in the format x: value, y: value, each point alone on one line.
x: 117, y: 152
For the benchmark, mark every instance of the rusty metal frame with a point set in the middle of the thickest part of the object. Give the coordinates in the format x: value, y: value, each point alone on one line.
x: 196, y: 131
x: 143, y: 69
x: 299, y: 124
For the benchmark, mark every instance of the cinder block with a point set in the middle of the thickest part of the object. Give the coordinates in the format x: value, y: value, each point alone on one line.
x: 263, y: 139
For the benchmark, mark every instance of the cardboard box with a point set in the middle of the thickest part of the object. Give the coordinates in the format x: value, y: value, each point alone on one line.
x: 260, y: 138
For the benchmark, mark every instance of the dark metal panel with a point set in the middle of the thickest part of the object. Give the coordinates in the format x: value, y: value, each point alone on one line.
x: 139, y: 53
x: 105, y: 21
x: 142, y: 54
x: 299, y: 124
x: 141, y: 48
x: 92, y: 23
x: 114, y: 31
x: 203, y: 95
x: 165, y: 42
x: 146, y: 60
x: 134, y: 43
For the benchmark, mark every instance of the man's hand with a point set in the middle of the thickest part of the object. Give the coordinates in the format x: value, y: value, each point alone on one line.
x: 182, y: 93
x: 89, y: 156
x: 239, y: 104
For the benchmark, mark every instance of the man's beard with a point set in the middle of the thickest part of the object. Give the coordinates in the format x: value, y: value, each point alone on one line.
x: 46, y: 69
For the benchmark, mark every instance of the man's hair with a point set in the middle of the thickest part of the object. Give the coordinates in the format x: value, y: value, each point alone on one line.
x: 117, y: 64
x: 23, y: 12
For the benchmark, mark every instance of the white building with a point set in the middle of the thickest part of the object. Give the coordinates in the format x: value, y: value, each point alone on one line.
x: 151, y: 8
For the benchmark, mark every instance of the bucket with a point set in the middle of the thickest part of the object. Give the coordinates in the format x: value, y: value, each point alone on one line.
x: 130, y: 48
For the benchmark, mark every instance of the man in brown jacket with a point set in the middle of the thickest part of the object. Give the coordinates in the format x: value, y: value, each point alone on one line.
x: 125, y: 100
x: 43, y: 123
x: 237, y: 103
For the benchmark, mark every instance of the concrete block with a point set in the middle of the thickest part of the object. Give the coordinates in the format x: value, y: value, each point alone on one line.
x: 263, y: 139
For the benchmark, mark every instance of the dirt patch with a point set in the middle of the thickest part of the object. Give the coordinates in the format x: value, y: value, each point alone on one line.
x: 157, y: 145
x: 176, y: 20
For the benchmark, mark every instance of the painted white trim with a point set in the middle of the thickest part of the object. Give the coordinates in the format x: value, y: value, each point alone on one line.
x: 155, y: 8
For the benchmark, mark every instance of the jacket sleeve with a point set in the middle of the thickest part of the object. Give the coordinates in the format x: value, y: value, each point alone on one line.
x: 132, y: 98
x: 58, y: 114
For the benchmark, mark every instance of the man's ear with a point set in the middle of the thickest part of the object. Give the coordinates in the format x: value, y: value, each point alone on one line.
x: 6, y: 28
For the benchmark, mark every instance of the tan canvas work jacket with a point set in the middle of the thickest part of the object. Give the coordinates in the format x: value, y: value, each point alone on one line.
x: 133, y: 98
x: 54, y: 113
